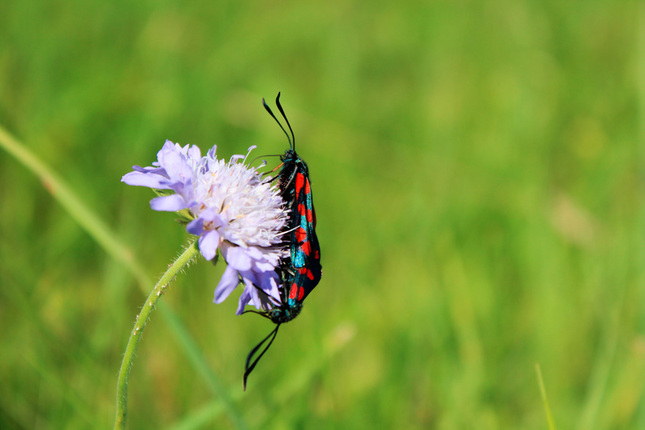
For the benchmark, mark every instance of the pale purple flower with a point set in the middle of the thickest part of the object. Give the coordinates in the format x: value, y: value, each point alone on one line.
x: 232, y: 208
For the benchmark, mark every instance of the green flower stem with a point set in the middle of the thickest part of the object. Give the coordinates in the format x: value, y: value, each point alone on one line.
x: 128, y: 358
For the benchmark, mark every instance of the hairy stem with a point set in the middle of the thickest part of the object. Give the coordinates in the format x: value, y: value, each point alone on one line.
x: 140, y: 323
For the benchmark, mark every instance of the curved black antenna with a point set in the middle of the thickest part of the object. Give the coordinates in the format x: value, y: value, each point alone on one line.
x: 268, y: 109
x: 277, y: 102
x: 249, y: 368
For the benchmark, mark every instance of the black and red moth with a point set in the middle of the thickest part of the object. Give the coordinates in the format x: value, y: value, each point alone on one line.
x: 301, y: 271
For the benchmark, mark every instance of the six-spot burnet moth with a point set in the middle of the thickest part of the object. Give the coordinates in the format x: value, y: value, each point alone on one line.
x: 300, y: 272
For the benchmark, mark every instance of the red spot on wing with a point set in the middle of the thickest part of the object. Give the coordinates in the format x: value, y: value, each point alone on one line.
x: 310, y: 217
x: 306, y: 248
x: 301, y: 235
x: 300, y: 181
x: 294, y: 291
x: 301, y: 209
x: 301, y: 293
x: 307, y: 187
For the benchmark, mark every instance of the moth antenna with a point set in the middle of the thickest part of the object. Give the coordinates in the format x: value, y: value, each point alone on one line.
x: 277, y: 102
x: 268, y: 109
x: 250, y: 366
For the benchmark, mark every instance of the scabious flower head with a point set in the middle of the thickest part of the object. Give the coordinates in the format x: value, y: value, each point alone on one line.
x: 232, y: 208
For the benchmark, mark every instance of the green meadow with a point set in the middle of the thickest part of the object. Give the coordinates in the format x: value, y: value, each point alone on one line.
x: 478, y: 171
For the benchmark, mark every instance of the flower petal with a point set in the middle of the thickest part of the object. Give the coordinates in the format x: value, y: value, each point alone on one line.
x: 238, y: 258
x: 226, y: 285
x: 208, y: 244
x: 172, y: 203
x: 254, y: 253
x: 195, y: 227
x: 270, y: 286
x: 145, y: 179
x: 194, y: 152
x: 245, y: 298
x: 264, y: 266
x: 173, y: 159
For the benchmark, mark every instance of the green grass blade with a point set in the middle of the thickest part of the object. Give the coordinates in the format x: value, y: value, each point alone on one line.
x: 545, y: 400
x: 87, y: 219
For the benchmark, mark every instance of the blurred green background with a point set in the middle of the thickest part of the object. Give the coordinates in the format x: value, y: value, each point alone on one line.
x: 478, y: 174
